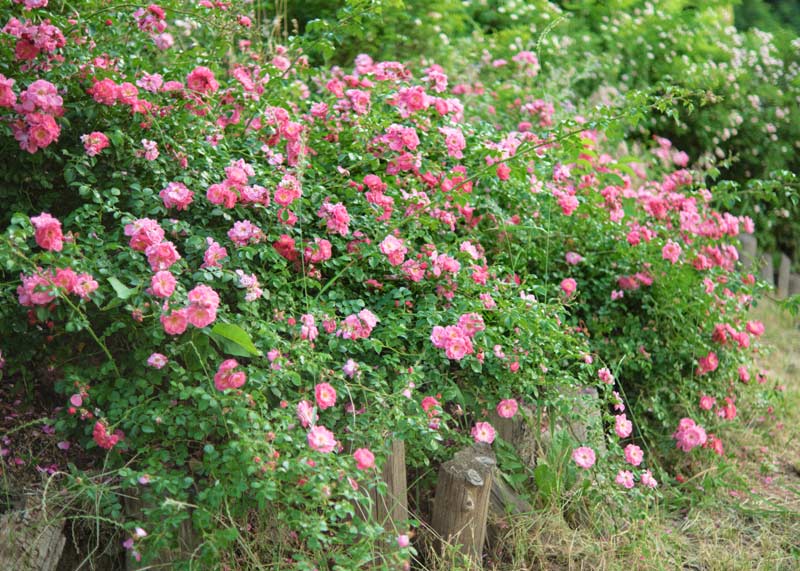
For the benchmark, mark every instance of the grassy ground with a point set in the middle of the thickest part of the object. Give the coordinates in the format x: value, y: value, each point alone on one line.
x: 744, y: 515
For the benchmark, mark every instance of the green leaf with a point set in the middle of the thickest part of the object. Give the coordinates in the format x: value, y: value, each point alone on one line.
x: 123, y: 292
x: 234, y: 340
x: 546, y: 480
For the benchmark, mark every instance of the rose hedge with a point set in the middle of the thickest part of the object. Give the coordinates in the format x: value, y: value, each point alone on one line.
x: 247, y: 275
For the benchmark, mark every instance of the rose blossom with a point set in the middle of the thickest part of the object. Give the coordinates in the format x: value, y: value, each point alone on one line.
x: 202, y: 310
x: 394, y: 249
x: 689, y: 435
x: 157, y: 360
x: 648, y: 480
x: 605, y: 376
x: 175, y: 323
x: 226, y: 378
x: 671, y: 251
x: 325, y: 395
x: 162, y: 284
x: 573, y: 259
x: 94, y: 143
x: 48, y: 232
x: 584, y: 457
x: 176, y: 195
x: 306, y: 413
x: 364, y: 459
x: 350, y: 368
x: 568, y: 286
x: 507, y: 408
x: 483, y: 432
x: 161, y: 256
x: 633, y: 455
x: 625, y: 479
x: 321, y: 439
x: 622, y: 426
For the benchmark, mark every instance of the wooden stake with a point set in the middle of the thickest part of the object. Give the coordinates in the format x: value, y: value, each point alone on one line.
x: 461, y: 503
x: 518, y: 432
x: 29, y: 540
x: 391, y: 510
x: 187, y: 538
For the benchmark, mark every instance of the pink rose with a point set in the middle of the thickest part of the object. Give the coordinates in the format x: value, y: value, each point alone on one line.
x: 507, y: 408
x: 85, y: 285
x: 48, y: 232
x: 689, y: 435
x: 350, y: 368
x: 157, y: 360
x: 573, y: 259
x: 568, y: 286
x: 707, y: 364
x: 94, y: 143
x: 633, y: 455
x: 584, y: 457
x: 162, y: 284
x: 325, y: 395
x: 394, y: 249
x: 204, y: 302
x: 306, y: 413
x: 707, y: 402
x: 671, y: 251
x: 364, y: 459
x: 226, y: 378
x: 144, y: 232
x: 483, y: 432
x: 162, y: 256
x: 625, y: 479
x: 648, y: 480
x: 503, y: 171
x: 321, y: 439
x: 755, y: 328
x: 622, y: 426
x: 201, y: 79
x: 176, y: 195
x: 175, y: 323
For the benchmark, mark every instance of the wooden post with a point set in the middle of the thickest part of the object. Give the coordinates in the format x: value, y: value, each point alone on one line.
x: 518, y: 432
x: 503, y: 502
x: 747, y: 251
x: 589, y: 424
x: 783, y: 276
x: 29, y: 540
x: 585, y: 423
x: 391, y: 510
x: 461, y: 503
x: 794, y: 284
x: 187, y: 538
x: 767, y: 270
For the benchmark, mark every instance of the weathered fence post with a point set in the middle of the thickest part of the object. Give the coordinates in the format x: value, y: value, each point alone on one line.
x: 391, y: 510
x: 767, y: 270
x: 518, y: 432
x: 794, y: 284
x: 461, y: 503
x: 29, y: 540
x: 503, y: 502
x: 783, y: 276
x: 588, y: 416
x: 747, y: 251
x: 585, y: 422
x: 187, y: 538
